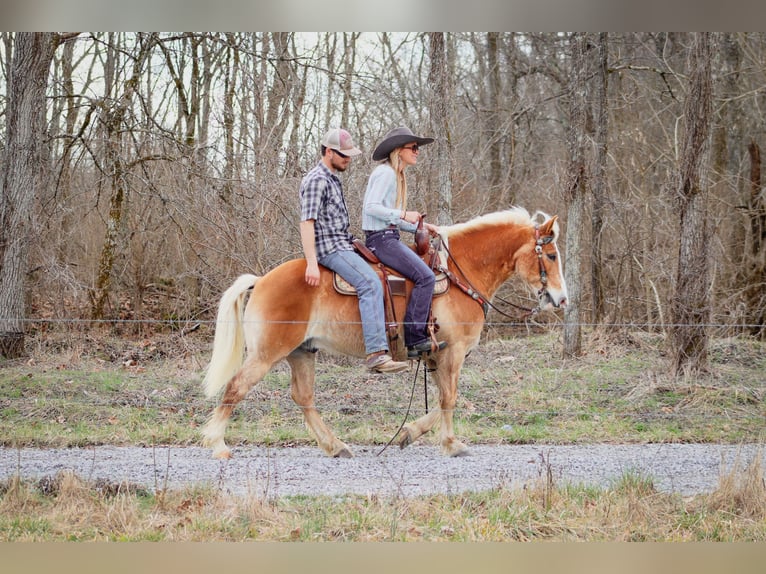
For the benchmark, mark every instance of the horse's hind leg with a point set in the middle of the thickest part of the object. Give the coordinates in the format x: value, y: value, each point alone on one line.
x: 252, y: 371
x: 302, y: 364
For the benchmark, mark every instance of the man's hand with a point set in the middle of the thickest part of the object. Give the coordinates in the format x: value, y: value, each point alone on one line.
x: 312, y: 273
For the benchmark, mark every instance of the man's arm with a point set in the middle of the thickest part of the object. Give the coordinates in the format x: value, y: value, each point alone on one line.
x: 309, y: 251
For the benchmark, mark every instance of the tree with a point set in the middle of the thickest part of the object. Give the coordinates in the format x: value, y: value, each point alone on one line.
x: 755, y: 257
x: 599, y: 179
x: 23, y: 177
x: 575, y: 193
x: 440, y: 94
x: 690, y: 306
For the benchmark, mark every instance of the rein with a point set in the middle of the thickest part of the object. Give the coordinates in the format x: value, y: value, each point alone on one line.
x: 485, y: 303
x: 409, y: 405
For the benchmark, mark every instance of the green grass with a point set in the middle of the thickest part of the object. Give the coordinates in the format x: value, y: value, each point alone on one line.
x: 515, y: 390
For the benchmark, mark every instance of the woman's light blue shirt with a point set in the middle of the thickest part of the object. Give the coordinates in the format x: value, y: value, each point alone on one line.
x: 380, y: 211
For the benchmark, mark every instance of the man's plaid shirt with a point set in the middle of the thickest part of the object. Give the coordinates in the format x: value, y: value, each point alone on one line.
x: 321, y: 199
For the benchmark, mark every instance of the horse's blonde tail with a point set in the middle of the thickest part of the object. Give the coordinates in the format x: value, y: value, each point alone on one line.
x: 229, y: 342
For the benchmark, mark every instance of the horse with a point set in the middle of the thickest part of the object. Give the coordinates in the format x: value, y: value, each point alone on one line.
x: 286, y: 319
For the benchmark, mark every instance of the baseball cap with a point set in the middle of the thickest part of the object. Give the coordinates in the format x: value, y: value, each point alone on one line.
x: 340, y: 140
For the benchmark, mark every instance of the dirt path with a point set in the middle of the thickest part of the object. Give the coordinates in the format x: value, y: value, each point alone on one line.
x: 418, y: 470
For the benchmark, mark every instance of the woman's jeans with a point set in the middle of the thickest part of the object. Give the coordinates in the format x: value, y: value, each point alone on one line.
x: 396, y: 255
x: 369, y: 289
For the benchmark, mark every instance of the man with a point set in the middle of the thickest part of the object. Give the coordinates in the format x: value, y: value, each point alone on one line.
x: 327, y: 242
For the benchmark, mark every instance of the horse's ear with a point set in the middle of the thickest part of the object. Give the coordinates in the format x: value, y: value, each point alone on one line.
x: 549, y: 227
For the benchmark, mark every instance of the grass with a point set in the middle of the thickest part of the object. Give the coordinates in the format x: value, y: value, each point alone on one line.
x: 515, y: 390
x: 102, y: 390
x: 67, y: 508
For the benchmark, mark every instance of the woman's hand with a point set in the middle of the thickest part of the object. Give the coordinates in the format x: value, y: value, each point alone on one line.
x: 411, y: 216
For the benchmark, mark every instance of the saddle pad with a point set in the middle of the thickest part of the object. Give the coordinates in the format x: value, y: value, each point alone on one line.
x: 396, y: 283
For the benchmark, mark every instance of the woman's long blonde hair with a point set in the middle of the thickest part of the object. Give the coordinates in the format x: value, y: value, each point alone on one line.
x: 401, y: 180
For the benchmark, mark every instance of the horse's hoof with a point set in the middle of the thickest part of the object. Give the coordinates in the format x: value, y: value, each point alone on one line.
x: 455, y: 448
x: 344, y: 453
x: 223, y: 454
x: 406, y: 440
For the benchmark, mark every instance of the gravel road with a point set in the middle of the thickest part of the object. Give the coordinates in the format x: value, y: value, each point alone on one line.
x: 687, y: 469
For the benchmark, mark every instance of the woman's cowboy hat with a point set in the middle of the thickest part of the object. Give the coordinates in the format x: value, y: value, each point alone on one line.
x: 397, y: 137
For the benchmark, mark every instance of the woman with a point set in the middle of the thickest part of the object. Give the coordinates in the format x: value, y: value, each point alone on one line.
x: 384, y: 214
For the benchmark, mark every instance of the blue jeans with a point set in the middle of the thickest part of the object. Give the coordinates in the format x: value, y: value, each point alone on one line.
x: 369, y: 289
x: 396, y: 255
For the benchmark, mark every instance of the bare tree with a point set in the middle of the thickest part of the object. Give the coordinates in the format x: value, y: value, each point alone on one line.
x: 575, y: 193
x: 246, y: 109
x: 599, y: 189
x: 440, y: 91
x: 22, y: 177
x: 690, y: 305
x: 755, y: 262
x: 113, y: 119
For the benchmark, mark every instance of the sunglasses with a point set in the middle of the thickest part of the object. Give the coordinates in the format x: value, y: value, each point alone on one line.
x: 343, y: 155
x: 415, y: 148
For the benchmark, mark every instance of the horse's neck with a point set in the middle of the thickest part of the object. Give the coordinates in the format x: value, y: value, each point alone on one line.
x: 486, y: 256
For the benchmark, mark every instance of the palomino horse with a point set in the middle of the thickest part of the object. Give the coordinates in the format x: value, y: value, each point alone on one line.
x: 287, y: 319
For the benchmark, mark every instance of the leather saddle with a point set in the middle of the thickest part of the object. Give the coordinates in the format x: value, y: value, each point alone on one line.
x: 394, y: 285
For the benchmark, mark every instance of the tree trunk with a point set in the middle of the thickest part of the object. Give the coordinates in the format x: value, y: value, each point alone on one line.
x: 494, y: 127
x: 113, y: 120
x: 22, y: 177
x: 440, y: 126
x: 599, y: 179
x: 755, y: 294
x: 231, y: 65
x: 690, y: 305
x: 575, y: 195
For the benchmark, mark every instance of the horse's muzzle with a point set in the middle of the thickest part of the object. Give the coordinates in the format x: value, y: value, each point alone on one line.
x: 546, y: 299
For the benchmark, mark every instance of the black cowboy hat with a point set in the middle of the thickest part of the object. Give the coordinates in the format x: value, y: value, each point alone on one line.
x: 397, y: 137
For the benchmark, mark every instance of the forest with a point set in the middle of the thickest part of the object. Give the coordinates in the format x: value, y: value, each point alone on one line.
x: 142, y: 172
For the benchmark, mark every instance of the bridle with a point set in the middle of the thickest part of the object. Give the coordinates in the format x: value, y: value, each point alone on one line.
x: 539, y: 242
x: 467, y: 288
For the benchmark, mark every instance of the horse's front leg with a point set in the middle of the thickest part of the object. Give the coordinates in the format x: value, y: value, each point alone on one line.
x: 445, y: 377
x: 414, y: 430
x: 302, y: 365
x: 450, y: 445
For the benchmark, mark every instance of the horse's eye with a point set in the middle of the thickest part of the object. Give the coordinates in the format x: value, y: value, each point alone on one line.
x: 551, y: 256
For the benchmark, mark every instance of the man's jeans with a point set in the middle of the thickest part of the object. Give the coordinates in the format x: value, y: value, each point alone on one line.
x: 392, y: 252
x: 369, y: 289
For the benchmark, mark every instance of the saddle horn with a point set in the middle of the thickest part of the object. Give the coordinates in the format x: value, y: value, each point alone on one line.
x: 422, y: 237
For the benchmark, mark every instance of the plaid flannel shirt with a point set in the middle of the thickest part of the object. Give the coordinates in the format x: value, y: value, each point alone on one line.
x: 321, y: 199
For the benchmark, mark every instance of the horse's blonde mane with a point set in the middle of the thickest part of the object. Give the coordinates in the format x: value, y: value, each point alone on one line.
x: 517, y: 215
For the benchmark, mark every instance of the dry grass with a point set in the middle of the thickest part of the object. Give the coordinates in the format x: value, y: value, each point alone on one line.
x: 68, y: 508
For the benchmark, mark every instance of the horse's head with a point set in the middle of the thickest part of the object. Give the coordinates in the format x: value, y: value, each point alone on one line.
x: 539, y: 263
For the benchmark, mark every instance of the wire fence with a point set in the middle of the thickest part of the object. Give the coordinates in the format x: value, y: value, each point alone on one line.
x: 718, y: 328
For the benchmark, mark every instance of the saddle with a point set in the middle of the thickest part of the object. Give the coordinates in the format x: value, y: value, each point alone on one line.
x: 394, y: 285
